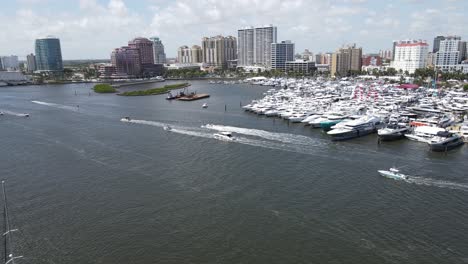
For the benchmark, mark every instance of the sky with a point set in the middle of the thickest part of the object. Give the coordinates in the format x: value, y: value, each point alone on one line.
x: 91, y: 29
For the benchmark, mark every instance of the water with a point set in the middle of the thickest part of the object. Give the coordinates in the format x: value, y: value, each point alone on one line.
x: 85, y: 187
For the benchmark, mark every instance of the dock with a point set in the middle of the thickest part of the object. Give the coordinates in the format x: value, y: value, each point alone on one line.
x: 193, y: 97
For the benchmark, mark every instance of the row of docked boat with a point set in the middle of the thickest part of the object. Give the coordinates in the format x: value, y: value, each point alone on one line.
x: 348, y: 108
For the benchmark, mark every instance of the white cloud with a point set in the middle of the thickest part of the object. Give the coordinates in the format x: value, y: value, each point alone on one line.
x: 92, y: 28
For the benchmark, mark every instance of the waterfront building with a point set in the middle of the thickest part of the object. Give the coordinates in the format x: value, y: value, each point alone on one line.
x: 410, y: 55
x: 371, y: 60
x: 146, y: 49
x: 48, y: 55
x: 218, y: 50
x: 300, y: 66
x: 462, y: 48
x: 323, y: 58
x: 159, y: 55
x: 308, y: 55
x: 107, y: 71
x: 255, y: 45
x: 451, y: 52
x: 190, y: 55
x: 437, y: 40
x: 430, y: 59
x: 9, y: 63
x: 31, y: 63
x: 345, y: 60
x: 280, y: 53
x: 386, y: 54
x: 127, y: 62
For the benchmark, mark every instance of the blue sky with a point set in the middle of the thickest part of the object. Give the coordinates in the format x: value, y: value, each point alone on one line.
x: 92, y: 28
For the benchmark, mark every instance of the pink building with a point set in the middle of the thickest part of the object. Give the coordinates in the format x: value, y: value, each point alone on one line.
x: 127, y: 62
x: 146, y: 49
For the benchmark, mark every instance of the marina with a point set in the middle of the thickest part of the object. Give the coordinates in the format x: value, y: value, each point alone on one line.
x: 351, y: 108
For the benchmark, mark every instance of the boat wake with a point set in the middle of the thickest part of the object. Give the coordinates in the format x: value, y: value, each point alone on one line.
x: 175, y: 129
x: 13, y: 113
x: 59, y: 106
x: 280, y: 137
x: 437, y: 183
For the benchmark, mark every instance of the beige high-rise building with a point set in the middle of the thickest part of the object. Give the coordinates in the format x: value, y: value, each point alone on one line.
x: 345, y: 60
x: 190, y: 55
x: 217, y: 51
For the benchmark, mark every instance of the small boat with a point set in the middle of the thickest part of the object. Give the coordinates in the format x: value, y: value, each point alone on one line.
x: 205, y: 105
x: 1, y: 113
x: 126, y: 119
x: 167, y: 128
x: 393, y: 173
x: 25, y: 115
x: 226, y: 136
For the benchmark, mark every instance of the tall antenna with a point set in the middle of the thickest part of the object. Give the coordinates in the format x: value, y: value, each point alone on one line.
x: 9, y: 257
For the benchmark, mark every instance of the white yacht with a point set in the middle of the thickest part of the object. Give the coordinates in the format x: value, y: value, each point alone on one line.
x: 225, y: 136
x: 393, y: 173
x: 356, y: 128
x: 424, y: 133
x: 393, y: 131
x: 205, y: 105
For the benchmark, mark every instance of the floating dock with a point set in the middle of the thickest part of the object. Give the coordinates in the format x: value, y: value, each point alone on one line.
x: 193, y: 97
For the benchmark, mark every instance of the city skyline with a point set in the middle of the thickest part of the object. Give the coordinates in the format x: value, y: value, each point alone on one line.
x: 332, y: 25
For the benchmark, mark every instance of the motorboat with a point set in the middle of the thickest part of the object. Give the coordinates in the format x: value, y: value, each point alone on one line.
x: 424, y: 133
x: 205, y: 105
x: 25, y: 115
x: 126, y: 119
x: 393, y: 131
x: 445, y: 141
x: 393, y: 173
x: 226, y: 136
x: 167, y: 128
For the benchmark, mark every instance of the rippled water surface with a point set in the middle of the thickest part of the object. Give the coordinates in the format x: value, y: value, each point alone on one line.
x: 86, y: 187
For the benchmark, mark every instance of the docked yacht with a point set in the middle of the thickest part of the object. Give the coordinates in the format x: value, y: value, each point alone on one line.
x: 393, y: 131
x: 393, y: 173
x: 424, y: 133
x: 356, y: 128
x: 225, y: 136
x: 445, y: 141
x: 331, y: 121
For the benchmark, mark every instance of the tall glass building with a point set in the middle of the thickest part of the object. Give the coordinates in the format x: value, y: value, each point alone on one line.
x: 49, y: 54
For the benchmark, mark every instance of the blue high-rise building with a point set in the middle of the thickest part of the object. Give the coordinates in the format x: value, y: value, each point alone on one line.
x: 280, y: 54
x: 49, y: 55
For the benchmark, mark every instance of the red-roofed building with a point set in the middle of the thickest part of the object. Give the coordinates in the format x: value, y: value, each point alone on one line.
x: 410, y: 55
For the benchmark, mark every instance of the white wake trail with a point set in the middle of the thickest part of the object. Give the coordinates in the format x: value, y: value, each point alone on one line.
x: 437, y: 183
x: 13, y: 113
x: 59, y: 106
x: 281, y: 137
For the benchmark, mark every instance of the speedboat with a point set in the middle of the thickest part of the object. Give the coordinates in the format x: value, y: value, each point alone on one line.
x: 167, y: 128
x: 226, y: 136
x: 126, y: 119
x: 393, y: 173
x: 205, y: 105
